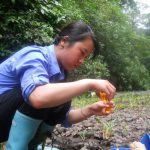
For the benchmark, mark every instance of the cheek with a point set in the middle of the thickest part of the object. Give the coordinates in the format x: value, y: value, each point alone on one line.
x: 73, y: 57
x: 69, y: 61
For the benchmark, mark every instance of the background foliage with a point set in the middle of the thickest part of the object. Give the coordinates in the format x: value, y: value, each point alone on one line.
x: 125, y: 47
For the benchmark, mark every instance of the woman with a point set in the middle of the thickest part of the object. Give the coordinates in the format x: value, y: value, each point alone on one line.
x: 33, y: 92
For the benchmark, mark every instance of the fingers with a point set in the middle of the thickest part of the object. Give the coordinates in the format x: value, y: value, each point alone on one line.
x: 111, y: 91
x: 110, y: 104
x: 100, y: 108
x: 108, y: 88
x: 137, y: 146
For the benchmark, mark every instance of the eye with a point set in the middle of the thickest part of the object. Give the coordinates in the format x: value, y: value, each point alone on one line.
x: 82, y: 52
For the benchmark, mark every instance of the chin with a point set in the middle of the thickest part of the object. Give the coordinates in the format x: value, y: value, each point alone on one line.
x: 71, y: 68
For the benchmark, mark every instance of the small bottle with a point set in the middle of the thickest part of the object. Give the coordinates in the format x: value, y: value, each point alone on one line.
x: 103, y: 97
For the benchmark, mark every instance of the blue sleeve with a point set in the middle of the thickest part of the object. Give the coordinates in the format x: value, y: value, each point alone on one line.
x: 66, y: 122
x: 32, y: 72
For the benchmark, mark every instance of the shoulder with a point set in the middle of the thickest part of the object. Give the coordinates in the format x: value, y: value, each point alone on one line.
x: 31, y: 52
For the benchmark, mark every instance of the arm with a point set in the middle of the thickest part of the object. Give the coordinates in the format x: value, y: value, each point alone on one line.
x: 81, y: 114
x: 51, y: 95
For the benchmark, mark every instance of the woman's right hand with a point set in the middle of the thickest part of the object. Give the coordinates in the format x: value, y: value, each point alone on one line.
x: 104, y: 86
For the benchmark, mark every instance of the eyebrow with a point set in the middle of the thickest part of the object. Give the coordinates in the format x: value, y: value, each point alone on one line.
x: 85, y: 50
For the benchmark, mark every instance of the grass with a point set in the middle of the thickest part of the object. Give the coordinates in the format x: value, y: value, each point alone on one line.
x: 132, y: 100
x: 107, y: 128
x: 122, y: 100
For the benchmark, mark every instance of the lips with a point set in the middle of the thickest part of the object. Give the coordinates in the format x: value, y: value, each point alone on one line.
x: 76, y: 66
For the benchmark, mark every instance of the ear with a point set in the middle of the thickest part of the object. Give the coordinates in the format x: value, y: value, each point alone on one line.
x: 64, y: 41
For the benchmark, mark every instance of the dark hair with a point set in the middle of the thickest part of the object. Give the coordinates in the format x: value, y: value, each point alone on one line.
x: 78, y: 31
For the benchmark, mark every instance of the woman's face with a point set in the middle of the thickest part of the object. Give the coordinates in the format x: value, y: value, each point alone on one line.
x: 72, y: 56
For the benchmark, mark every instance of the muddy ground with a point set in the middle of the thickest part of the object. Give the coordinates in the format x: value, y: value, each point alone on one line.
x: 125, y: 125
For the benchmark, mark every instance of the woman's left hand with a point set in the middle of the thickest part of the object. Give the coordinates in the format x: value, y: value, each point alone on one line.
x: 99, y: 108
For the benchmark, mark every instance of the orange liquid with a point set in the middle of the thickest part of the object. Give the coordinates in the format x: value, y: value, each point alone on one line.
x: 104, y: 98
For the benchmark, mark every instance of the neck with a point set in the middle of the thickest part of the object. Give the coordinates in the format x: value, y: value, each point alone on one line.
x: 58, y: 53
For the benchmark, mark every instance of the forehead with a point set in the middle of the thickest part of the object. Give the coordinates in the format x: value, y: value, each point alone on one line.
x: 87, y: 44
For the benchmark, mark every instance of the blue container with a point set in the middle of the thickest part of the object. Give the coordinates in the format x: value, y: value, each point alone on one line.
x: 146, y: 141
x: 120, y: 148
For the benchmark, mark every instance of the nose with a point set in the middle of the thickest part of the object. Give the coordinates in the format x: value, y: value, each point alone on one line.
x: 81, y: 61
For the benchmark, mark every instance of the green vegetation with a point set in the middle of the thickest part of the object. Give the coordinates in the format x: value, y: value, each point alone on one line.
x: 132, y: 100
x: 124, y: 57
x: 107, y: 128
x: 123, y: 100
